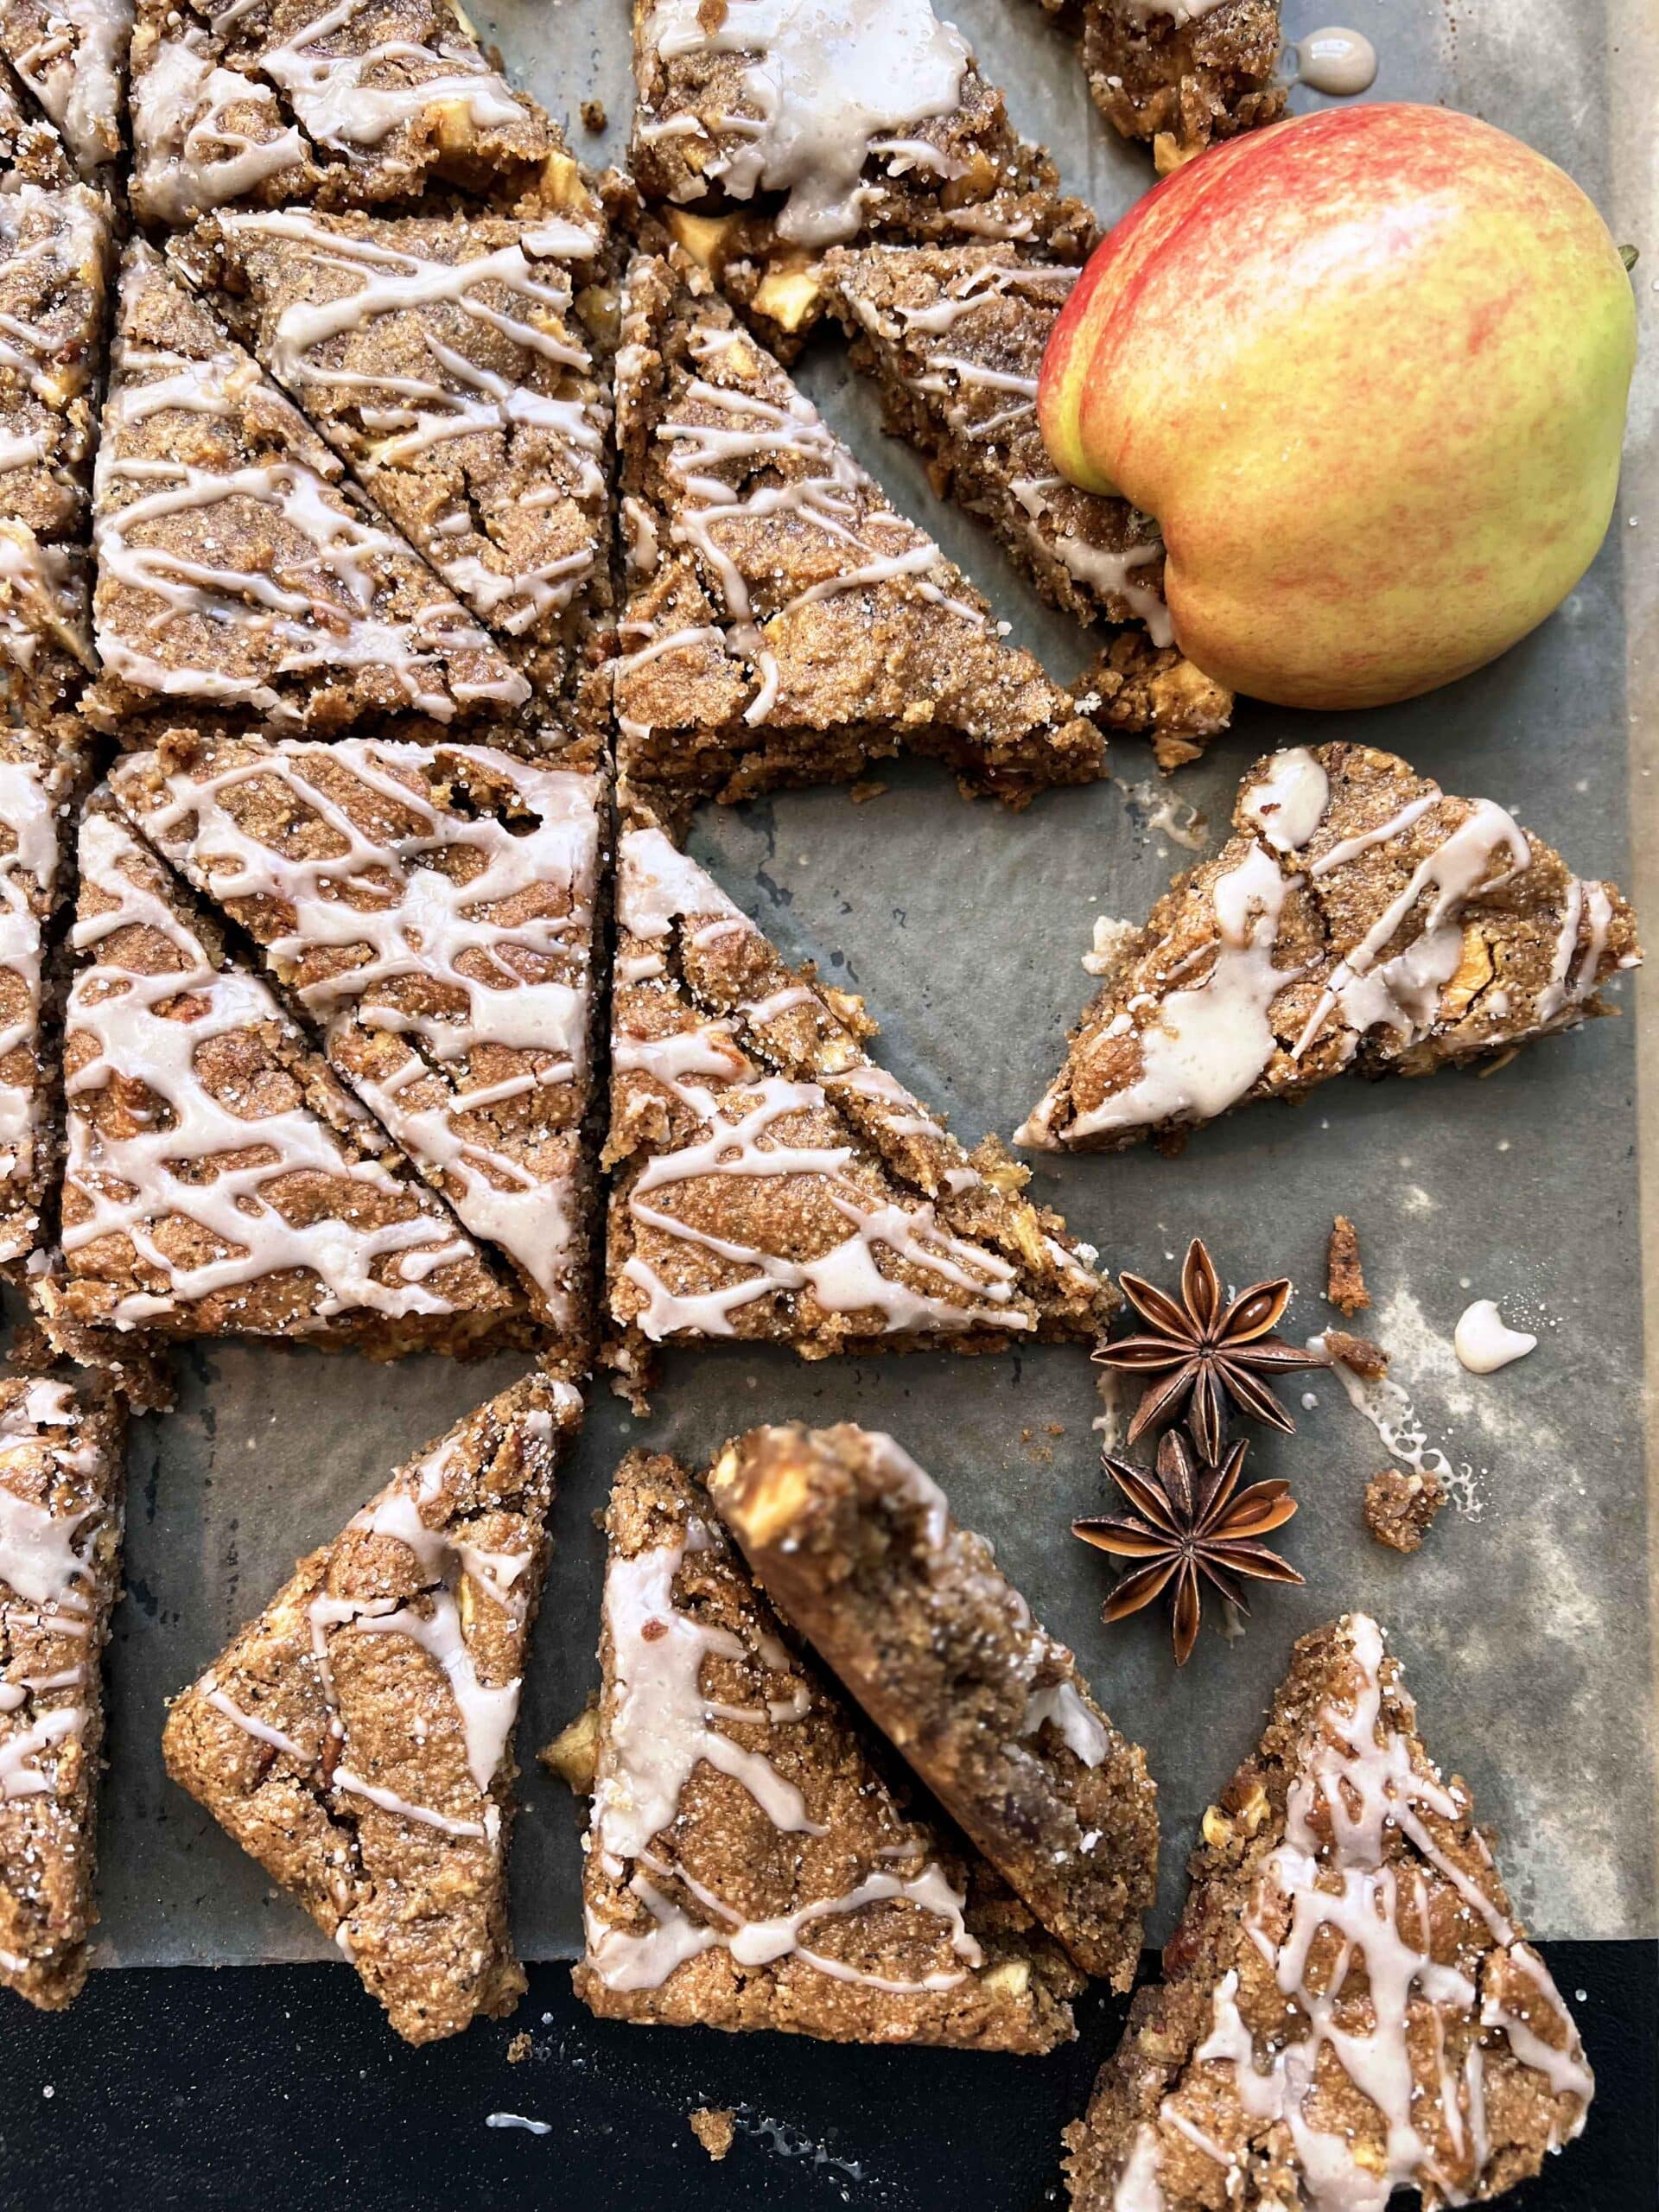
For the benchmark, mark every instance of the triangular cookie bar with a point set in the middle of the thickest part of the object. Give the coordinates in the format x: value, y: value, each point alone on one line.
x: 234, y: 566
x: 769, y: 133
x: 854, y: 1545
x: 953, y: 337
x: 220, y: 1180
x: 30, y: 149
x: 62, y: 1462
x: 771, y: 1182
x: 54, y: 275
x: 1180, y: 73
x: 1350, y: 2006
x: 783, y: 623
x: 432, y: 906
x: 746, y: 1866
x: 72, y: 56
x: 1361, y: 917
x: 342, y: 102
x: 357, y: 1738
x: 443, y: 359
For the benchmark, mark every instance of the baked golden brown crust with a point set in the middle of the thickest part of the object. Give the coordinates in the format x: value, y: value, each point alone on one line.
x: 856, y: 1546
x: 1360, y: 917
x: 782, y: 623
x: 1346, y: 1924
x: 220, y: 1180
x: 445, y: 360
x: 236, y: 570
x: 771, y: 1181
x: 62, y: 1469
x: 748, y: 1866
x: 357, y: 1738
x: 461, y: 1011
x: 280, y: 102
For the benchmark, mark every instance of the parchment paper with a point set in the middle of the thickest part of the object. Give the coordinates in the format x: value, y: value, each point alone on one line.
x: 1524, y: 1623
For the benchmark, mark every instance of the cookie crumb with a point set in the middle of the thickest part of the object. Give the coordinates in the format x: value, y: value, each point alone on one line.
x: 715, y: 2127
x: 520, y: 2048
x: 1358, y: 1354
x: 867, y: 788
x: 574, y: 1751
x: 1399, y: 1507
x: 594, y: 116
x: 1345, y: 1281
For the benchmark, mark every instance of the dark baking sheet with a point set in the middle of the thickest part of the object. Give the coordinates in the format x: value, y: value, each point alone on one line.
x: 1524, y: 1624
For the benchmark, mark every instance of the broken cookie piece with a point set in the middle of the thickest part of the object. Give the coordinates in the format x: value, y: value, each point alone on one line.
x: 1401, y: 1504
x: 746, y: 1866
x: 1361, y: 917
x: 1349, y: 2006
x: 62, y: 1472
x: 771, y: 1181
x: 357, y: 1738
x: 854, y: 1545
x: 1345, y: 1285
x: 783, y: 623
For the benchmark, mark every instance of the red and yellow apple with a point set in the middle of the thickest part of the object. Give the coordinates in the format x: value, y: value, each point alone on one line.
x: 1368, y: 371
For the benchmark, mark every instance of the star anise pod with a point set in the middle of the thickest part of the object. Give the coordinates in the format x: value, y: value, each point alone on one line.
x: 1194, y: 1525
x: 1203, y: 1351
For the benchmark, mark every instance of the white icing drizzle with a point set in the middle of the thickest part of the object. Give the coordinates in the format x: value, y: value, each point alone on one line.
x: 189, y: 155
x: 861, y: 542
x: 1060, y: 1704
x: 133, y: 1181
x: 75, y: 67
x: 1357, y: 1780
x: 318, y: 607
x: 659, y: 1730
x: 1484, y: 1343
x: 513, y: 291
x: 1138, y: 2189
x: 1202, y: 1047
x: 475, y: 937
x: 825, y: 88
x: 53, y: 243
x: 658, y: 885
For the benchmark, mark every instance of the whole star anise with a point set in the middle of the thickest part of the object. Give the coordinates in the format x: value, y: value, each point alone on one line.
x: 1203, y: 1351
x: 1194, y: 1523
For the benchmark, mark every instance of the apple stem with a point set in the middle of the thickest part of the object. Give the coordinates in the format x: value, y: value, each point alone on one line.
x: 1629, y: 255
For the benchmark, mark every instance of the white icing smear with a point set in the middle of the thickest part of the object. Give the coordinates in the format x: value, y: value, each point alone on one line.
x: 1287, y: 804
x: 1484, y: 1342
x: 825, y: 82
x: 74, y: 67
x: 1060, y: 1704
x: 657, y: 884
x: 1337, y: 62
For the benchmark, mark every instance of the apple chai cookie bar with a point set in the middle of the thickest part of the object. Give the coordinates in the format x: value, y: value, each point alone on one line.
x: 339, y: 102
x: 1350, y: 2006
x: 54, y: 273
x: 72, y: 56
x: 771, y: 130
x: 1361, y: 917
x: 220, y: 1180
x: 782, y: 622
x: 357, y: 1738
x: 432, y: 908
x: 855, y: 1547
x: 771, y: 1182
x: 62, y: 1469
x: 444, y: 359
x: 236, y: 568
x: 746, y: 1866
x: 954, y: 338
x: 1180, y: 74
